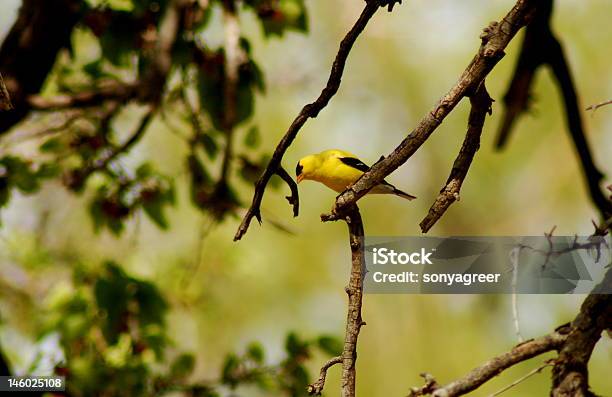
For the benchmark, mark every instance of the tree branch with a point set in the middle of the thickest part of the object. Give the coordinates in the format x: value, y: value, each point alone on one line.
x: 294, y: 199
x: 114, y: 91
x: 28, y: 52
x: 574, y: 342
x: 311, y: 110
x: 570, y: 373
x: 480, y: 375
x: 317, y: 387
x: 77, y: 178
x: 596, y: 106
x: 354, y: 291
x: 481, y: 105
x: 494, y: 40
x: 541, y: 47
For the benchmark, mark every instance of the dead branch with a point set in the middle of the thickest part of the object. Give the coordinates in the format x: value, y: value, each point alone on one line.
x: 480, y: 375
x: 574, y: 342
x: 596, y: 106
x: 494, y: 40
x: 541, y: 47
x: 481, y: 106
x: 570, y: 373
x: 316, y: 388
x: 354, y: 291
x: 310, y: 110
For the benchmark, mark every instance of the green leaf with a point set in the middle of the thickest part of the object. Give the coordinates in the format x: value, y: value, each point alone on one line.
x: 144, y: 170
x: 118, y: 41
x: 330, y: 345
x: 182, y: 366
x: 255, y: 352
x: 5, y: 192
x: 230, y: 366
x: 287, y: 15
x: 252, y: 137
x: 155, y: 211
x: 209, y: 145
x: 52, y: 145
x: 294, y: 346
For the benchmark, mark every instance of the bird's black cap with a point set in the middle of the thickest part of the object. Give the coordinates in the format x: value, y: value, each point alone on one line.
x: 298, y: 169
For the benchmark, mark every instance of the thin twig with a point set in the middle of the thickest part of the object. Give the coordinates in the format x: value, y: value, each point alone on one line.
x: 316, y: 388
x: 311, y: 110
x: 596, y: 106
x: 522, y: 379
x: 514, y: 259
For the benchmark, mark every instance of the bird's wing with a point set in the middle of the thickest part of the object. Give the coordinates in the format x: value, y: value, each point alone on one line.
x: 355, y: 163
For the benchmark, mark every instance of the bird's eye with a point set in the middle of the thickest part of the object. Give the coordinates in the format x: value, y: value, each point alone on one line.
x: 298, y: 169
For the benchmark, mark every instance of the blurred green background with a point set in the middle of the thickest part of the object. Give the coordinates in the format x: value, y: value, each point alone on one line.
x: 222, y: 295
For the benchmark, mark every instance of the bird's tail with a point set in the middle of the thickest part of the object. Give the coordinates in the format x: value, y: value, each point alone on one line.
x: 402, y: 194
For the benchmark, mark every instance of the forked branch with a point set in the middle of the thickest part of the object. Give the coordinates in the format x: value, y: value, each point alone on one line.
x: 541, y: 47
x: 481, y: 106
x: 494, y: 40
x: 311, y: 110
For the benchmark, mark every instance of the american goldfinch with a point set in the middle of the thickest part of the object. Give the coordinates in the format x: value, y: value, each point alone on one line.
x: 337, y: 170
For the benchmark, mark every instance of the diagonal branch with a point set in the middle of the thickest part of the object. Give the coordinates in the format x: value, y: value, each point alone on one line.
x: 481, y: 105
x: 310, y: 110
x: 77, y: 178
x: 574, y: 342
x: 482, y: 374
x: 596, y: 106
x: 494, y: 40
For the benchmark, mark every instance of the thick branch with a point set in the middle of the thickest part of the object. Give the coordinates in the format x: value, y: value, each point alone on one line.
x: 481, y: 105
x: 311, y: 110
x: 574, y: 342
x: 29, y: 50
x: 541, y: 47
x: 494, y: 40
x: 570, y: 373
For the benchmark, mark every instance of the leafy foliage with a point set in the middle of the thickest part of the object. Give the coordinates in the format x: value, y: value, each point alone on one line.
x: 23, y: 175
x: 112, y: 330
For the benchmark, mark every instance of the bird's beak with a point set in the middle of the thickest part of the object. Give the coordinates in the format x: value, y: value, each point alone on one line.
x: 300, y: 178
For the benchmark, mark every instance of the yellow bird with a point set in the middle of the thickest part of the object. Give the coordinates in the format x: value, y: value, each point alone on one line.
x: 337, y: 170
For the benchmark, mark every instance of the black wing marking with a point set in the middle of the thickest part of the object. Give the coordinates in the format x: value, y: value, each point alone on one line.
x: 355, y: 163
